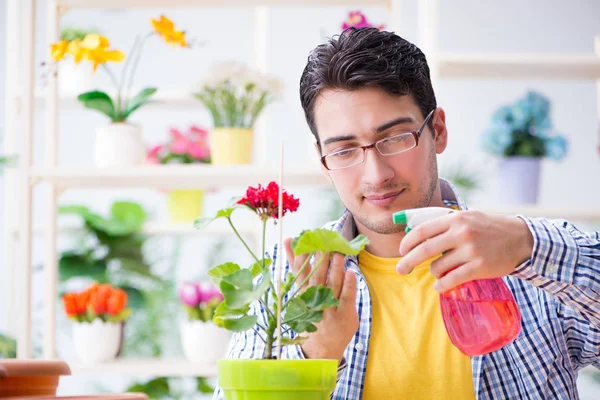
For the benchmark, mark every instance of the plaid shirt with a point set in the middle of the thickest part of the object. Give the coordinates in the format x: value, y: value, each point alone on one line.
x: 558, y: 293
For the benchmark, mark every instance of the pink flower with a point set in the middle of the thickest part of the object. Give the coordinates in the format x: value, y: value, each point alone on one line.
x: 180, y: 146
x: 198, y: 151
x: 197, y: 133
x: 209, y: 293
x: 357, y: 19
x: 176, y: 134
x: 189, y: 294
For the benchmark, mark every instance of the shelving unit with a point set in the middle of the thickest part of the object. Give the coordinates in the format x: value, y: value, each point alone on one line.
x: 23, y: 99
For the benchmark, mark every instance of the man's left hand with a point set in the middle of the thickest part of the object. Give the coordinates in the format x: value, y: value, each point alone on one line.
x: 475, y: 245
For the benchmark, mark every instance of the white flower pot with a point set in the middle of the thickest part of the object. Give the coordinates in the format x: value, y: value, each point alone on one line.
x: 203, y: 342
x: 119, y: 145
x: 518, y: 180
x: 98, y: 341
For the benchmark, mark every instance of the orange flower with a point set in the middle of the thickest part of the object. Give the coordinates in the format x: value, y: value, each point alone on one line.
x: 99, y: 298
x: 70, y: 304
x: 81, y: 302
x: 116, y: 302
x: 59, y: 49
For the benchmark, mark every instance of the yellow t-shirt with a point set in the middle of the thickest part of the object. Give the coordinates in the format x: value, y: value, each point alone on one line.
x: 410, y: 354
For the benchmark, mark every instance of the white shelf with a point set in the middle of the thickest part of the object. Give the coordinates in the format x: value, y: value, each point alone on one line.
x: 569, y: 214
x: 177, y: 176
x: 164, y: 98
x: 542, y: 66
x: 147, y: 367
x: 120, y: 4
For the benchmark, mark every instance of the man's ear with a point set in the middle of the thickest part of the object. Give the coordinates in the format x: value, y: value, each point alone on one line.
x: 440, y: 131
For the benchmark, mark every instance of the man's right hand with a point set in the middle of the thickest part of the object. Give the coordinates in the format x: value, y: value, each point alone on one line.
x: 339, y: 324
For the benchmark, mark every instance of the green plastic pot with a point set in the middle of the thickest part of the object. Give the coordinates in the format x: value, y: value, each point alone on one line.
x: 277, y: 379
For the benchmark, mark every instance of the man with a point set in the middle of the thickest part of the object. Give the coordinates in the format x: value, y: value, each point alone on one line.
x: 369, y: 102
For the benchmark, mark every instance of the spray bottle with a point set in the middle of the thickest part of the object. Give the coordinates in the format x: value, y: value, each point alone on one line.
x: 480, y: 316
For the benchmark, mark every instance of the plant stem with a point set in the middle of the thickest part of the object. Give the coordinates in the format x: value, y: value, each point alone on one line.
x: 270, y: 339
x: 127, y: 64
x: 258, y: 334
x: 243, y: 241
x: 134, y: 67
x: 312, y: 272
x: 263, y: 264
x: 113, y: 78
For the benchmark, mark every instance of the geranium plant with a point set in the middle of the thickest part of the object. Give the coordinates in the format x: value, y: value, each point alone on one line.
x: 96, y: 49
x: 200, y: 300
x: 183, y: 148
x: 241, y: 287
x: 524, y: 129
x: 104, y: 301
x: 235, y: 94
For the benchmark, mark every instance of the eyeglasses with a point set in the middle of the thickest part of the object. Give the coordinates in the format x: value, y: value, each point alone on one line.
x: 388, y: 146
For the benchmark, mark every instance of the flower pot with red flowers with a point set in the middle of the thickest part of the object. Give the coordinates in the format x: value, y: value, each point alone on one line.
x: 292, y: 305
x: 201, y: 339
x: 98, y: 314
x: 191, y: 147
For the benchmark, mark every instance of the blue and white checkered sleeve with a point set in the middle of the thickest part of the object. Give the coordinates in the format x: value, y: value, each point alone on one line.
x: 566, y: 263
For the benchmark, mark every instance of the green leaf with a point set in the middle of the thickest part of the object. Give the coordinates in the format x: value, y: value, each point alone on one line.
x: 300, y: 318
x: 202, y: 386
x: 99, y: 101
x: 238, y: 288
x: 285, y: 341
x: 319, y: 298
x: 82, y: 211
x: 325, y: 240
x: 217, y: 273
x: 233, y: 319
x: 122, y: 316
x: 135, y: 297
x: 203, y: 222
x: 129, y: 214
x: 73, y: 265
x: 256, y: 268
x: 139, y: 100
x: 8, y: 347
x: 157, y: 388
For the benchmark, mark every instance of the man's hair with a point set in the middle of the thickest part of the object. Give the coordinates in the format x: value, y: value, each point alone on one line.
x: 361, y: 58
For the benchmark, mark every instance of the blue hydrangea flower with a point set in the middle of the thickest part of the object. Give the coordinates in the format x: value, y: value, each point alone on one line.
x: 497, y: 138
x: 556, y: 147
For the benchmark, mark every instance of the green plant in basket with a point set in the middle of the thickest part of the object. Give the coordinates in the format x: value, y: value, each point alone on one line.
x: 288, y: 300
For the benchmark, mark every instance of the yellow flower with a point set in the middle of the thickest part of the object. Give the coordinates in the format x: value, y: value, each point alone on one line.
x: 94, y: 41
x: 76, y: 51
x: 102, y: 55
x: 59, y: 49
x: 165, y: 28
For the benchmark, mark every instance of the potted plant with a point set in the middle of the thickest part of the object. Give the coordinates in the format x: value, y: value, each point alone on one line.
x: 201, y: 339
x: 185, y: 205
x: 357, y: 19
x: 120, y: 143
x: 290, y: 313
x: 98, y: 313
x: 72, y: 77
x: 235, y: 95
x: 522, y: 134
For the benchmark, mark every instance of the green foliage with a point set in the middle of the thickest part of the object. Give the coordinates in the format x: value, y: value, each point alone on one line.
x: 8, y: 347
x: 69, y: 33
x: 243, y: 286
x: 117, y: 111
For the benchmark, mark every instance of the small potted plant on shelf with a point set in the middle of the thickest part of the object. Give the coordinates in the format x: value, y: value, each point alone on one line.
x: 291, y: 311
x: 98, y: 313
x: 357, y: 19
x: 522, y: 134
x: 201, y: 339
x: 192, y: 147
x: 235, y: 95
x: 72, y: 77
x: 120, y: 143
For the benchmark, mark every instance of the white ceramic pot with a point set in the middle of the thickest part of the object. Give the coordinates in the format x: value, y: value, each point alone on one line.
x: 97, y: 341
x: 75, y: 79
x: 119, y: 145
x: 203, y: 342
x: 518, y: 180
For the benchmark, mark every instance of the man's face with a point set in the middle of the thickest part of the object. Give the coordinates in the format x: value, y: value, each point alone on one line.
x: 381, y: 185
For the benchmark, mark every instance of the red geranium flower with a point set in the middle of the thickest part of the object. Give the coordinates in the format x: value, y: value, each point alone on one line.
x: 265, y: 201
